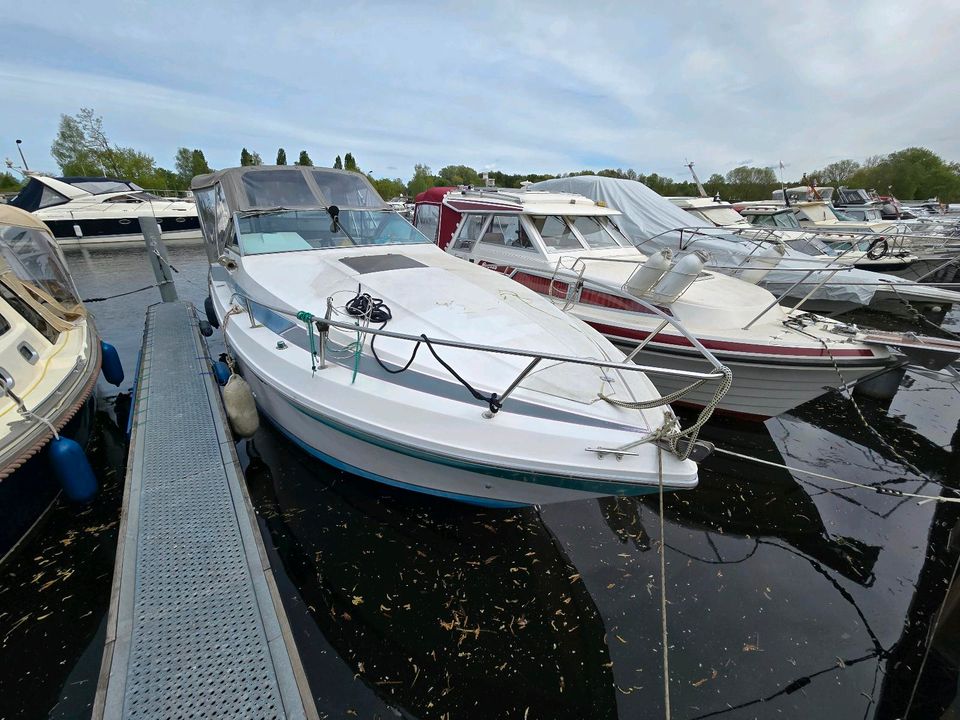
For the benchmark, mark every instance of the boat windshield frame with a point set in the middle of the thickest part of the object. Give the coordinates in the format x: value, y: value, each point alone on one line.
x: 355, y: 227
x: 32, y: 257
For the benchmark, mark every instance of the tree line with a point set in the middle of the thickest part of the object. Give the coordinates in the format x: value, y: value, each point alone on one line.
x: 81, y: 147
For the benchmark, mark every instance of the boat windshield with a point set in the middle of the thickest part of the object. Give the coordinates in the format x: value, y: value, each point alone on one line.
x: 31, y: 256
x: 561, y: 233
x: 842, y: 216
x: 295, y: 230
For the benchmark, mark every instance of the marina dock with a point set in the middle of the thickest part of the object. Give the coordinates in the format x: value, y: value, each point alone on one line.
x: 196, y: 626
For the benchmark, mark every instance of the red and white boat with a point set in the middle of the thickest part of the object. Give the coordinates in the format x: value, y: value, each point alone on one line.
x: 568, y: 247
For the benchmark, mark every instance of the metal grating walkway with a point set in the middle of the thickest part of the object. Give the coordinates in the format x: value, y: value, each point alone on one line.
x: 196, y: 628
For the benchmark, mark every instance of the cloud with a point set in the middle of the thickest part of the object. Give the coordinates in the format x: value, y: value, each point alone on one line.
x: 519, y: 86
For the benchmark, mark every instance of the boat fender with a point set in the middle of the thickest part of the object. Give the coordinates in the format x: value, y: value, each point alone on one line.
x: 760, y: 263
x: 72, y: 468
x: 680, y: 277
x: 241, y: 407
x: 111, y: 367
x: 206, y: 329
x: 221, y: 372
x: 208, y: 309
x: 649, y: 274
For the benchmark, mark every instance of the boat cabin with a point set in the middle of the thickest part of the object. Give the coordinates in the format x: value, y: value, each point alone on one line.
x: 42, y: 191
x: 516, y: 227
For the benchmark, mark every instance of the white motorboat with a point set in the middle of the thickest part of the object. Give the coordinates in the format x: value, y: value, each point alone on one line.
x: 327, y: 298
x: 568, y: 248
x: 49, y: 360
x: 652, y: 223
x: 101, y: 210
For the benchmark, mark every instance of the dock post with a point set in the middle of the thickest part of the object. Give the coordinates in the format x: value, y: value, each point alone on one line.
x: 157, y: 255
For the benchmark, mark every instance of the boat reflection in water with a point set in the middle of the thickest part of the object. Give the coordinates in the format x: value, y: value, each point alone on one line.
x: 438, y: 607
x: 789, y: 596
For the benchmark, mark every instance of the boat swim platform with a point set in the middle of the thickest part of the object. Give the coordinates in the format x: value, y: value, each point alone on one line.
x: 196, y: 626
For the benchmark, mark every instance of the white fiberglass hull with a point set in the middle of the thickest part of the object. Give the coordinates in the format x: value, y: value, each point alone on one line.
x: 169, y: 237
x: 760, y: 390
x: 370, y: 460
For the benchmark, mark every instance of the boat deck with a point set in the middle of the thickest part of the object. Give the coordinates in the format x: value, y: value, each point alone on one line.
x: 196, y: 626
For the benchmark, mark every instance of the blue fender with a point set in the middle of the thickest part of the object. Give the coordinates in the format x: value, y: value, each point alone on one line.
x: 221, y: 371
x: 72, y: 468
x: 111, y: 366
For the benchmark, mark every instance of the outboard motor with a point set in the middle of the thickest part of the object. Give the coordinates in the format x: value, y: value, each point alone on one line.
x: 648, y: 274
x: 758, y: 265
x: 680, y: 277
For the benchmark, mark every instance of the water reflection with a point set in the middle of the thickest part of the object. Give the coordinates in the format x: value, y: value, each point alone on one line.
x: 440, y: 607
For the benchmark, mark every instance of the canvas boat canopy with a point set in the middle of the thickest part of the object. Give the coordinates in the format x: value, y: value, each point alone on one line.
x: 291, y: 187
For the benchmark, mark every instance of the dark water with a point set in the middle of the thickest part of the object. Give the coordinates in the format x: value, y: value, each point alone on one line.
x: 789, y: 596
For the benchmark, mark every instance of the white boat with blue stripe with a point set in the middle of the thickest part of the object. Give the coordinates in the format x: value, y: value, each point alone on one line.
x: 378, y: 353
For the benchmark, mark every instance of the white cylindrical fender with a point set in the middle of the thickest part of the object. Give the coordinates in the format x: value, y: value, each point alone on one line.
x: 649, y: 274
x: 241, y: 407
x: 760, y: 263
x: 680, y: 277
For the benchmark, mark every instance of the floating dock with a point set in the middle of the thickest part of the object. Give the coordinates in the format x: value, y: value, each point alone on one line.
x: 196, y: 626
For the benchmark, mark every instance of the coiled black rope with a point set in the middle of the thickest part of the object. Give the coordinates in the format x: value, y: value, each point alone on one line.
x: 363, y: 305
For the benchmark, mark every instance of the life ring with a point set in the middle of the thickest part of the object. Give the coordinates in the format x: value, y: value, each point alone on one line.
x: 880, y: 244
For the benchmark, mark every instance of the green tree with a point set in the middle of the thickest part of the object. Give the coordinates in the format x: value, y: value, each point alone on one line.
x: 459, y: 175
x: 255, y: 158
x: 910, y: 174
x: 304, y: 159
x: 349, y: 163
x: 838, y: 173
x: 423, y: 179
x: 388, y: 188
x: 190, y: 163
x: 751, y: 183
x: 71, y: 150
x: 338, y: 163
x: 8, y: 182
x: 281, y: 157
x: 246, y: 159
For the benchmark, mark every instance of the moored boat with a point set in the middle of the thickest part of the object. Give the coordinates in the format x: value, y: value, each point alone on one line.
x: 49, y: 360
x: 569, y: 249
x: 102, y: 210
x: 378, y: 353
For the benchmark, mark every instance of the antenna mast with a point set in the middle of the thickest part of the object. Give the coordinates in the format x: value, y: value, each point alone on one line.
x: 703, y: 193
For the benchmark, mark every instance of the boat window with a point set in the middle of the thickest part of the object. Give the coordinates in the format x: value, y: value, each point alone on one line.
x: 4, y: 325
x: 24, y: 310
x: 763, y: 220
x: 31, y: 256
x: 506, y: 230
x: 593, y: 232
x: 556, y: 233
x: 786, y: 220
x: 294, y: 230
x: 98, y: 187
x: 469, y: 231
x: 812, y: 246
x: 842, y: 216
x: 346, y: 190
x: 427, y: 220
x: 277, y: 189
x: 125, y: 198
x: 50, y: 197
x: 224, y: 234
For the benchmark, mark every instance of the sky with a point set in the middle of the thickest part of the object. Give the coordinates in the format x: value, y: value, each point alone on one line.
x: 518, y: 86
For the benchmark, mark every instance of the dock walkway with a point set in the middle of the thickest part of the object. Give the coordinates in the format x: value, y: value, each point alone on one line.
x: 196, y: 626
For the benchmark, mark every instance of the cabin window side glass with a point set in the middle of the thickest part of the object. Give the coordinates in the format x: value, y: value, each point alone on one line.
x: 427, y: 220
x: 556, y: 233
x: 470, y: 231
x: 347, y: 190
x: 27, y: 312
x: 506, y: 231
x: 592, y: 231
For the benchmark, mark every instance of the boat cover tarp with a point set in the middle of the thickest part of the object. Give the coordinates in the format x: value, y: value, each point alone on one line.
x: 651, y: 222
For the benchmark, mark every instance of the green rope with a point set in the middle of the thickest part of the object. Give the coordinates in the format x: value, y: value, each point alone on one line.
x: 308, y: 319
